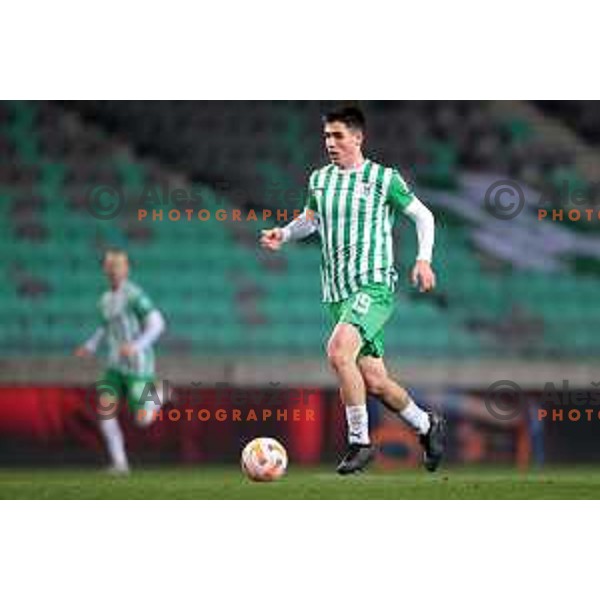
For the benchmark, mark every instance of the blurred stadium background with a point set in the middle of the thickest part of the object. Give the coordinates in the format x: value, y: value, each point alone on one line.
x: 517, y: 300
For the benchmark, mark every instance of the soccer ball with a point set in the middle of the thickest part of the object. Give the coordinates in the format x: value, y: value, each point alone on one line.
x: 264, y: 459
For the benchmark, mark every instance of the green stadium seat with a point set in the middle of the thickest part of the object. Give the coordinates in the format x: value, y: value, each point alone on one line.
x: 213, y: 288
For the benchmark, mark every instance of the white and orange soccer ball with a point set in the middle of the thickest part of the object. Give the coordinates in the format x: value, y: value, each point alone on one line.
x: 264, y: 459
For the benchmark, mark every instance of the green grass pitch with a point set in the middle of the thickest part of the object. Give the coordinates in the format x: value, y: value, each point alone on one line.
x: 300, y: 483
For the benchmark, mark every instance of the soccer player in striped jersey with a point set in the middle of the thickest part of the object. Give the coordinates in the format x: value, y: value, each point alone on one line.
x: 130, y: 324
x: 352, y: 203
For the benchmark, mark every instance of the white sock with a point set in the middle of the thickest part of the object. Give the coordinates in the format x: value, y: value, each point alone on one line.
x: 416, y: 417
x: 358, y: 424
x: 113, y: 436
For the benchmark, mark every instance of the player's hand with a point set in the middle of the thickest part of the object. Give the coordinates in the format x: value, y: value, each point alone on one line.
x: 82, y: 352
x: 271, y: 239
x: 423, y: 276
x: 128, y: 349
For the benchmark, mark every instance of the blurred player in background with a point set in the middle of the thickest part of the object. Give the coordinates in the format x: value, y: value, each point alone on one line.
x: 352, y: 203
x: 130, y: 324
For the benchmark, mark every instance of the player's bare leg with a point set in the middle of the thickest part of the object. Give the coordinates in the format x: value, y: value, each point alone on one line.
x: 429, y: 426
x: 394, y: 396
x: 110, y: 429
x: 342, y: 351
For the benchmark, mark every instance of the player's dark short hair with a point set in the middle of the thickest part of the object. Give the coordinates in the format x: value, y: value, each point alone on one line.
x: 351, y: 116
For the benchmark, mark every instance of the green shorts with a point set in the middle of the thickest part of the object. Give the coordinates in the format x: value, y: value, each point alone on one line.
x: 130, y: 387
x: 368, y: 309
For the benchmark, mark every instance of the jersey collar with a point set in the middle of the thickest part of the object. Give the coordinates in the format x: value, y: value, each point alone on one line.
x: 354, y: 170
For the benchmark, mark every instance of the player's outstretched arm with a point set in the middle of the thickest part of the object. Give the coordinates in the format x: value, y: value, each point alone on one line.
x: 302, y: 226
x: 89, y: 348
x: 422, y: 274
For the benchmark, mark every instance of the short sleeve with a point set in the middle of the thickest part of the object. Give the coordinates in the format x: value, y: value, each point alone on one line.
x: 141, y: 305
x: 399, y: 195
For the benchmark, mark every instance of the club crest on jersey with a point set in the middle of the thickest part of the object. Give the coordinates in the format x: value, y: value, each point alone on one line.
x: 366, y: 187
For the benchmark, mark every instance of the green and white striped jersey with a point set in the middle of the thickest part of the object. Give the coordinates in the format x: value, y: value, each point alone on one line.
x: 122, y: 313
x: 356, y: 210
